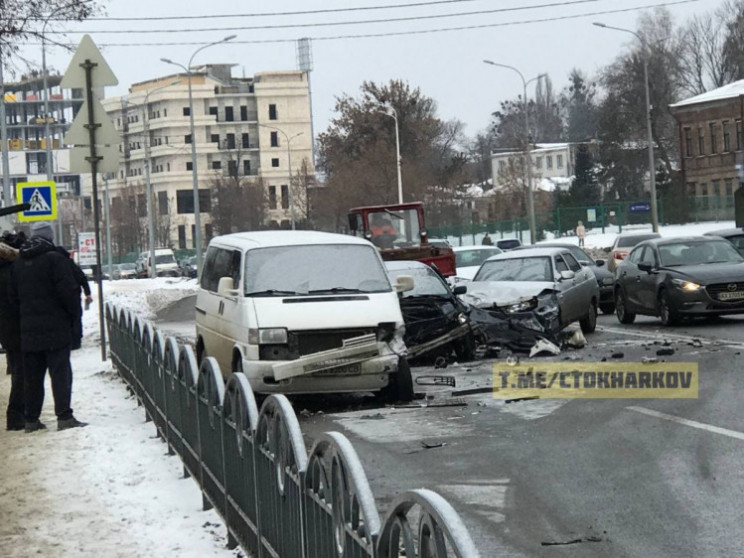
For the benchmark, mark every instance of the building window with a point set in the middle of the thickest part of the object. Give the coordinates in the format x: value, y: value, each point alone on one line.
x: 502, y: 166
x: 738, y: 135
x: 189, y: 166
x: 272, y: 112
x: 716, y: 188
x: 538, y: 162
x: 704, y: 196
x: 232, y: 168
x: 187, y: 138
x: 186, y: 111
x: 213, y: 111
x: 243, y: 113
x: 163, y: 203
x: 285, y: 197
x: 181, y: 237
x: 245, y: 141
x: 688, y: 142
x: 246, y: 167
x: 549, y: 162
x: 229, y: 114
x: 165, y: 112
x: 559, y: 161
x: 193, y: 236
x: 208, y: 231
x: 214, y: 138
x: 216, y: 165
x: 701, y: 142
x: 185, y: 201
x: 691, y: 189
x: 726, y: 136
x: 272, y: 197
x: 713, y: 138
x: 274, y: 139
x: 729, y: 187
x: 275, y: 163
x: 231, y: 141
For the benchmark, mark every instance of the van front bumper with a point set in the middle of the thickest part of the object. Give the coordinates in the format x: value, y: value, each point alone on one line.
x: 371, y: 374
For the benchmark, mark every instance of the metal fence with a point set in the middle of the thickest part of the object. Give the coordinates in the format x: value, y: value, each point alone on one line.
x: 276, y: 499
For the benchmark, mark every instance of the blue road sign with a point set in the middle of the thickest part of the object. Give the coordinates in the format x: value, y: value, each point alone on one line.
x: 642, y: 207
x: 43, y: 199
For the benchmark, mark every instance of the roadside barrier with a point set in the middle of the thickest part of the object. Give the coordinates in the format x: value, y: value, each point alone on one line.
x: 277, y: 499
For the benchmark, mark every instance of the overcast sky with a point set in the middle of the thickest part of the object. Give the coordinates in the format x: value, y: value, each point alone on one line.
x: 447, y: 66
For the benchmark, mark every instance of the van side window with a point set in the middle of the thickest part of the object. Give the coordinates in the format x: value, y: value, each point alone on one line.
x: 235, y: 268
x: 222, y: 266
x: 208, y: 280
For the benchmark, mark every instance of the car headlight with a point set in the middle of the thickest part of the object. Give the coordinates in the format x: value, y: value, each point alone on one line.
x: 520, y: 306
x: 608, y: 281
x: 462, y: 318
x: 268, y: 336
x: 686, y: 285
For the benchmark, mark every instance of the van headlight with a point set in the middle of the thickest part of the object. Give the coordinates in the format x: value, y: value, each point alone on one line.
x: 268, y: 336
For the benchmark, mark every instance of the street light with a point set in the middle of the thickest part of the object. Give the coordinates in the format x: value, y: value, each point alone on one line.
x: 194, y: 177
x: 288, y: 139
x: 148, y: 184
x: 650, y: 137
x: 527, y: 156
x: 390, y: 111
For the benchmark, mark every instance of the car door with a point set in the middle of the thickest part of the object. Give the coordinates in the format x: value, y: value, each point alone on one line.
x: 630, y: 277
x: 231, y: 319
x: 567, y: 297
x: 583, y: 286
x: 647, y: 281
x: 207, y: 304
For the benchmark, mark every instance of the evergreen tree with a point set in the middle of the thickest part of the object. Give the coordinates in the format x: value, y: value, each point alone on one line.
x: 584, y: 189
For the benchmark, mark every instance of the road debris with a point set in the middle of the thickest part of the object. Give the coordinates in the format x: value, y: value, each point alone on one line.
x: 544, y: 346
x: 432, y: 445
x: 517, y: 399
x: 436, y: 381
x: 649, y: 360
x: 618, y: 355
x: 665, y: 352
x: 577, y: 340
x: 697, y: 343
x: 473, y: 391
x: 574, y: 541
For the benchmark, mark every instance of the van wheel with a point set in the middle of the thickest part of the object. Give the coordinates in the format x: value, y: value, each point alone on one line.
x: 400, y: 384
x: 200, y: 353
x: 237, y: 363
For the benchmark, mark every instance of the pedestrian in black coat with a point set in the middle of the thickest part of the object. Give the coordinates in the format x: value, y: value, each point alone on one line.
x: 82, y: 281
x: 10, y: 332
x: 48, y: 297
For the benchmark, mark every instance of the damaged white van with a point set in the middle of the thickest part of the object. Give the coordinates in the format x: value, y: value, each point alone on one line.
x: 303, y: 312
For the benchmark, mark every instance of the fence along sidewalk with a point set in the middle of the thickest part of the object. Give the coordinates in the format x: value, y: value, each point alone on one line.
x: 276, y: 499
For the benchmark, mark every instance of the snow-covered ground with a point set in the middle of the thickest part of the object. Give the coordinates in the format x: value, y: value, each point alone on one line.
x: 595, y: 238
x: 108, y: 489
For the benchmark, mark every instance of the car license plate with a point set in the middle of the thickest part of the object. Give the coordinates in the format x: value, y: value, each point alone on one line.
x: 735, y: 295
x: 345, y: 370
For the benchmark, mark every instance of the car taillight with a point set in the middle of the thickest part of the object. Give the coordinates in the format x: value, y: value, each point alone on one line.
x: 619, y: 255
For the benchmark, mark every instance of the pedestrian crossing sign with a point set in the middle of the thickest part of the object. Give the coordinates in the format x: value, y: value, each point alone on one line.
x: 42, y: 196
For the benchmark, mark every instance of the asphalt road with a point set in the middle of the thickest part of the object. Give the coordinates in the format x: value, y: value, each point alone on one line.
x: 578, y: 477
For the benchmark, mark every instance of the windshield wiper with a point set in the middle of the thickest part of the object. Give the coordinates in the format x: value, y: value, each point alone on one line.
x: 272, y: 292
x: 337, y: 290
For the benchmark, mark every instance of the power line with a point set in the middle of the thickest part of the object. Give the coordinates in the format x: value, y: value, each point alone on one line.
x: 562, y: 3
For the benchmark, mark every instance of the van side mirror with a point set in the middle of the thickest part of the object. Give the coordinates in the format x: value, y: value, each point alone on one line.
x: 403, y: 283
x: 599, y: 263
x: 226, y: 287
x: 460, y: 290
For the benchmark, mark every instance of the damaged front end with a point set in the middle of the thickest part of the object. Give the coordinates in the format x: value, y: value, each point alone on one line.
x: 436, y: 326
x: 516, y: 323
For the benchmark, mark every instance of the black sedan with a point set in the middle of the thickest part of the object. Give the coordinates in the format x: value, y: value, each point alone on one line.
x: 680, y: 277
x: 437, y: 322
x: 605, y: 278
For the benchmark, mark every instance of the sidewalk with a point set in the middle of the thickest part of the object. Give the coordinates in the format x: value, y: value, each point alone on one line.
x: 108, y: 489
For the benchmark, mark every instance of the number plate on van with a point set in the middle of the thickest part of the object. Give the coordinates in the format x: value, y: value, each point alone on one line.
x: 346, y: 370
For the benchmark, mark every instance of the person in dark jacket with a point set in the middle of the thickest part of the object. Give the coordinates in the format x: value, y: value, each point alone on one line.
x: 48, y: 297
x: 82, y: 281
x: 10, y: 331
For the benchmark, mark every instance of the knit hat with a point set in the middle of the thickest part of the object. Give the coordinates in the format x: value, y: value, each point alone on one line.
x: 43, y: 229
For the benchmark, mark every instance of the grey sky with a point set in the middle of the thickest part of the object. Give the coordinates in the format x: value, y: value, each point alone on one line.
x: 447, y: 66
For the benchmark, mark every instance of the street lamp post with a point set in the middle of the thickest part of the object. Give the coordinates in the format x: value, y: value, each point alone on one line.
x: 390, y: 111
x: 527, y: 149
x: 288, y: 139
x: 194, y: 176
x: 649, y: 131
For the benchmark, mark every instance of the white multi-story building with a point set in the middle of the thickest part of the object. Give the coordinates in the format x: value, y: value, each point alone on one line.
x: 241, y: 128
x: 553, y: 164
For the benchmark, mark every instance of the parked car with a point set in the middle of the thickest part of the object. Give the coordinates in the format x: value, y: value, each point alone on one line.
x: 468, y: 259
x: 734, y: 236
x: 439, y: 242
x: 124, y: 271
x: 187, y: 267
x: 507, y: 244
x: 437, y: 322
x: 140, y: 265
x: 91, y: 274
x: 676, y: 277
x: 522, y: 296
x: 623, y: 244
x: 165, y: 264
x: 605, y: 278
x: 303, y: 312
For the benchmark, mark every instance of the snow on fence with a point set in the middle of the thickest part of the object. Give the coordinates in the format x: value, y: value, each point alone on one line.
x: 276, y: 499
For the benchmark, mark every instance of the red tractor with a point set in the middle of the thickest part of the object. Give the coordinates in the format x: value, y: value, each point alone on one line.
x: 399, y: 233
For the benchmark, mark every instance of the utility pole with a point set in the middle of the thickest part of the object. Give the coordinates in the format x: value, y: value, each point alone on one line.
x: 7, y: 198
x: 107, y: 212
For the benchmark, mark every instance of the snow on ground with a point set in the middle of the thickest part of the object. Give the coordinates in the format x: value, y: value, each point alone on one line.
x: 595, y: 238
x: 108, y: 489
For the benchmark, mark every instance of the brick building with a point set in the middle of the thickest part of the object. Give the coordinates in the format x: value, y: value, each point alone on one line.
x: 710, y: 141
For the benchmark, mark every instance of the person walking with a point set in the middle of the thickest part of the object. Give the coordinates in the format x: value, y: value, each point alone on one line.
x: 82, y: 281
x: 10, y: 331
x: 581, y: 233
x: 487, y: 241
x: 44, y: 289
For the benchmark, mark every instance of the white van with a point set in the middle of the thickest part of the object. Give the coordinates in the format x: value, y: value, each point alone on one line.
x: 165, y: 263
x: 303, y: 312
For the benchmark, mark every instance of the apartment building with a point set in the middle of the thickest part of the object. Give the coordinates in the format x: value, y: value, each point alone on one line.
x: 552, y: 164
x: 710, y: 141
x: 241, y: 128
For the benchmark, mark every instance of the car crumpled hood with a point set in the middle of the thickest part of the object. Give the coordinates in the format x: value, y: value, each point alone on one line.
x: 485, y: 294
x: 709, y: 273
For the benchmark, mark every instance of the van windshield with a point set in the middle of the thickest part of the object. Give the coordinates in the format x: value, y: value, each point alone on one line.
x: 314, y: 269
x: 165, y: 259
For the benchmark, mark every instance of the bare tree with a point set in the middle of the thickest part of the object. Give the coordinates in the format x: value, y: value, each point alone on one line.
x: 163, y: 223
x: 702, y: 40
x: 128, y: 227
